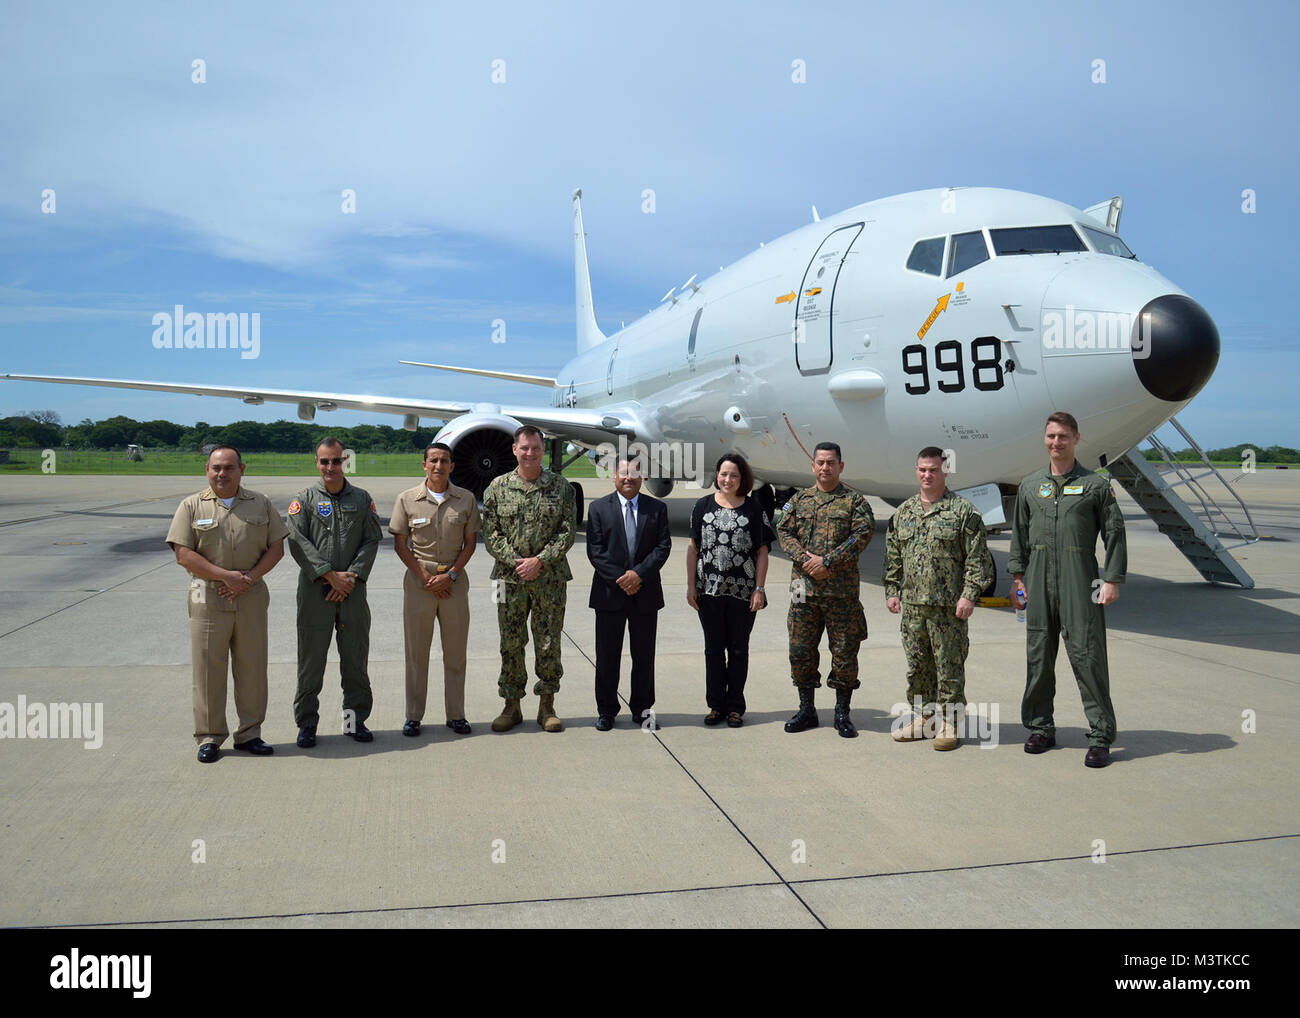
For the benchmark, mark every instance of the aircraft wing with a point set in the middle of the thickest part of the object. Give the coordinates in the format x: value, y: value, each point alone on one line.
x: 565, y: 422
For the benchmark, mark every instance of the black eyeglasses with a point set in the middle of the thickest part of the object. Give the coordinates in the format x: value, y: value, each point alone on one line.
x: 336, y: 462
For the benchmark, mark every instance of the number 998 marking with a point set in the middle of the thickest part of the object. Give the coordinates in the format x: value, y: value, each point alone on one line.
x: 985, y: 359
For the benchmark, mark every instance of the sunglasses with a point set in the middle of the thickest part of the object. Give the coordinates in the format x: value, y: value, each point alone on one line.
x: 336, y: 462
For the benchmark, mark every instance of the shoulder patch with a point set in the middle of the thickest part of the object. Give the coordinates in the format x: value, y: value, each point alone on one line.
x: 295, y: 507
x: 372, y: 505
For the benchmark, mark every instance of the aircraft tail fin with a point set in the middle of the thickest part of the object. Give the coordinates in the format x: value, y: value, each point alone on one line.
x: 589, y: 333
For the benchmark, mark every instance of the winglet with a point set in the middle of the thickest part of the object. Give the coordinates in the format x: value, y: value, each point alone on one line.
x: 589, y: 333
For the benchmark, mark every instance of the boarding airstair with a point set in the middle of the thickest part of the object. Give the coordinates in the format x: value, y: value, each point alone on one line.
x: 1172, y: 493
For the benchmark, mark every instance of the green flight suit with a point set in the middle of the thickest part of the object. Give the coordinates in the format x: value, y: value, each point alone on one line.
x: 523, y: 520
x: 1053, y: 542
x: 837, y: 525
x: 338, y: 532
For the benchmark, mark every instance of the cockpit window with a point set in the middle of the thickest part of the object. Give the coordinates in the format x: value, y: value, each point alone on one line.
x: 1107, y: 243
x: 967, y: 249
x: 927, y: 256
x: 1036, y: 240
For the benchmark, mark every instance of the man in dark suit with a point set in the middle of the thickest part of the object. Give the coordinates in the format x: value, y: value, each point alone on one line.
x: 625, y: 589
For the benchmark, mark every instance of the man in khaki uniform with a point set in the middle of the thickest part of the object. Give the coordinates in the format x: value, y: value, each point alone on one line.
x: 435, y: 530
x: 228, y: 538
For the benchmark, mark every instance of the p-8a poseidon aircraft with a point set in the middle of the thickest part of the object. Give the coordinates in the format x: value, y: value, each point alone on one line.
x: 957, y: 317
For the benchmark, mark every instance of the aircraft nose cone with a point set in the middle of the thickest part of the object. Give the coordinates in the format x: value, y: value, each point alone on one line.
x: 1177, y: 347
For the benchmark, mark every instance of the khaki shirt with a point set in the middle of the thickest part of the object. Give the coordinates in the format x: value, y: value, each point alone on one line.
x: 234, y: 538
x: 436, y: 532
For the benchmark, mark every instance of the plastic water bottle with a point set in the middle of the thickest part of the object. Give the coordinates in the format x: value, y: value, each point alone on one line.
x: 1020, y: 606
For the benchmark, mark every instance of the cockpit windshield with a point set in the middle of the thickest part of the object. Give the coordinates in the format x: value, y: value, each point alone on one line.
x: 1036, y: 240
x: 1107, y: 243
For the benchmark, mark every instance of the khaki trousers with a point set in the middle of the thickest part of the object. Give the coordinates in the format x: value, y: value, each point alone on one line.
x: 420, y: 610
x: 220, y: 632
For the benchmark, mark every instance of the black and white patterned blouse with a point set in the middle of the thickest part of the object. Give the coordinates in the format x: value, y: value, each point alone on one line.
x: 728, y: 541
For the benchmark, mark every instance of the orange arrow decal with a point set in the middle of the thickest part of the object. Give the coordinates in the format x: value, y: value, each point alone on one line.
x: 786, y: 298
x: 813, y: 292
x: 942, y: 305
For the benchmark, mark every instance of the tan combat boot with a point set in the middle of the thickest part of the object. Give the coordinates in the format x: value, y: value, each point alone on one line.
x: 510, y: 716
x: 546, y: 714
x: 912, y: 731
x: 946, y: 737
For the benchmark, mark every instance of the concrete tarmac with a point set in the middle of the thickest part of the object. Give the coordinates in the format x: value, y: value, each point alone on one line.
x: 1193, y: 825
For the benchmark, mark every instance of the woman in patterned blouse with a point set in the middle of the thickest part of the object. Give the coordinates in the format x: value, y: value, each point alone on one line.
x: 726, y: 565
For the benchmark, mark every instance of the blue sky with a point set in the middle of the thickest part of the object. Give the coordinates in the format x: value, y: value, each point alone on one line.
x: 225, y: 196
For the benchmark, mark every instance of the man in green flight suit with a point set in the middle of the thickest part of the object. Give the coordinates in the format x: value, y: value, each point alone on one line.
x: 936, y: 566
x: 528, y: 528
x: 824, y: 529
x: 334, y: 534
x: 1060, y: 511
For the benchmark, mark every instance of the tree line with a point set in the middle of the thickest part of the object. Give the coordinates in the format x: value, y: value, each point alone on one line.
x: 41, y: 429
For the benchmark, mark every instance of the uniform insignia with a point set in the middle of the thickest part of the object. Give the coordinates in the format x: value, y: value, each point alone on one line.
x: 324, y: 509
x: 1045, y: 490
x: 295, y: 507
x: 786, y: 508
x: 1072, y: 489
x: 372, y: 507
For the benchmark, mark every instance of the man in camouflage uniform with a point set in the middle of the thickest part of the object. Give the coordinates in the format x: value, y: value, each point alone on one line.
x: 936, y: 566
x: 528, y: 528
x: 334, y: 534
x: 824, y: 529
x: 1060, y: 511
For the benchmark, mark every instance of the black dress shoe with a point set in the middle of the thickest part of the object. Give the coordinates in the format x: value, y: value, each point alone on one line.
x: 1097, y: 756
x: 604, y: 723
x: 255, y: 746
x: 411, y: 728
x: 1039, y: 743
x: 362, y: 734
x: 460, y: 726
x: 306, y: 736
x: 208, y: 752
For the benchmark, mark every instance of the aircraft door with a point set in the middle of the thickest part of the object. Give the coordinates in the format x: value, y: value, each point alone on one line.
x: 814, y: 312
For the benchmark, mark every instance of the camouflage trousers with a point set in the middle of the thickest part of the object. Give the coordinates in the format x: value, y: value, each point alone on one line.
x: 542, y: 603
x: 936, y: 643
x: 846, y: 628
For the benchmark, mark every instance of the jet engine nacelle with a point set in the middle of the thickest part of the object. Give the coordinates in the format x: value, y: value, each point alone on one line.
x: 659, y: 487
x: 480, y: 449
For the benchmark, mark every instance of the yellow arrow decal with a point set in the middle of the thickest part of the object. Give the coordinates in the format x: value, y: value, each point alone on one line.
x: 942, y: 305
x: 786, y: 298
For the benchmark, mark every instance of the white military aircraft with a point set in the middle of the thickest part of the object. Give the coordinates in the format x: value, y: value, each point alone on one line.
x: 956, y: 317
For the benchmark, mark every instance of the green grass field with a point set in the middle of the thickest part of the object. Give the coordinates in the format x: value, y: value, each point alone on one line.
x: 269, y: 464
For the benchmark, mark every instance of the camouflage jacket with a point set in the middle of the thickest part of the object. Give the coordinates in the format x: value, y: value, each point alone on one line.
x: 521, y: 520
x: 837, y: 525
x: 338, y: 531
x: 937, y: 555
